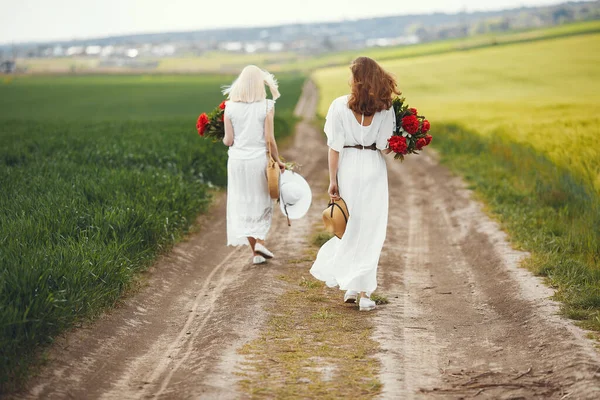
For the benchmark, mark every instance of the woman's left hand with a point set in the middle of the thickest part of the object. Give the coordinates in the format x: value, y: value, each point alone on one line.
x: 333, y: 191
x: 281, y: 166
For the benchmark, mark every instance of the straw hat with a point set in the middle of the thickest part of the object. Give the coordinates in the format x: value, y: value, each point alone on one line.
x: 335, y: 217
x: 295, y: 195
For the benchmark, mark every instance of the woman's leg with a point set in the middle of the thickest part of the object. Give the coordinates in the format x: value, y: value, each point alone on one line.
x: 363, y: 294
x: 252, y: 242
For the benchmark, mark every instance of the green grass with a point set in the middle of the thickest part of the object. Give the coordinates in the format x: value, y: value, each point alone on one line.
x: 380, y: 299
x: 522, y: 123
x: 99, y: 174
x: 105, y: 97
x: 319, y: 238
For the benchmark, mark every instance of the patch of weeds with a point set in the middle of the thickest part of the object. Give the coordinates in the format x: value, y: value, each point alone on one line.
x: 315, y: 298
x: 320, y: 238
x: 576, y: 314
x: 311, y: 253
x: 379, y: 299
x: 299, y: 260
x: 310, y: 283
x: 323, y: 313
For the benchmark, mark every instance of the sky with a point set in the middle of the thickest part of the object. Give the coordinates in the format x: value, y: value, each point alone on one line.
x: 46, y: 20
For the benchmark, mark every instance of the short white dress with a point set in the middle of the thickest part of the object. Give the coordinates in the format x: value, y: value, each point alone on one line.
x: 249, y: 206
x: 351, y: 262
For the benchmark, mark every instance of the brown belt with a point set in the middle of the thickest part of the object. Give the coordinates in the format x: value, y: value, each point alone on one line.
x: 361, y: 147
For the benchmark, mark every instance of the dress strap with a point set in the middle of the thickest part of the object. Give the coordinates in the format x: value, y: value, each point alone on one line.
x: 362, y: 129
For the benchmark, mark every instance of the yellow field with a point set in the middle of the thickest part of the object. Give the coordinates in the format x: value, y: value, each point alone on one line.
x: 225, y: 62
x: 57, y: 65
x: 546, y: 94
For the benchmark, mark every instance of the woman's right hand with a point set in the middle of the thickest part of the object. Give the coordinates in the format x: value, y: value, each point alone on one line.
x: 281, y: 166
x: 334, y: 192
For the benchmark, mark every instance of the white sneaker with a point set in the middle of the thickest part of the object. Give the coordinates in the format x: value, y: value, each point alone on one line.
x: 259, y: 248
x: 366, y: 304
x: 350, y: 296
x: 258, y: 260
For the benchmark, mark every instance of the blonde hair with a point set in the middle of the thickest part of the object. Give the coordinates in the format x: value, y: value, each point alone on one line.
x: 249, y: 86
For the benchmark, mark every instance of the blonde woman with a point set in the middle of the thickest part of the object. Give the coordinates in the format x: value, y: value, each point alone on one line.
x: 248, y: 130
x: 358, y: 127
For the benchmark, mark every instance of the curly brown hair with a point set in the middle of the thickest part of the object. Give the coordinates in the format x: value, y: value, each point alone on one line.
x: 372, y: 87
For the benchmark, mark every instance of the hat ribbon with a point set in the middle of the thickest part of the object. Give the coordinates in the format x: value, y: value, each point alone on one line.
x: 284, y: 204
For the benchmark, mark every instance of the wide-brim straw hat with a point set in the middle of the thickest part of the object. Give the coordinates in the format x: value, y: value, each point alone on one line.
x: 335, y: 217
x: 294, y: 194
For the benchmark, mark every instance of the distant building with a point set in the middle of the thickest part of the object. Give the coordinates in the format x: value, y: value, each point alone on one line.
x: 8, y: 67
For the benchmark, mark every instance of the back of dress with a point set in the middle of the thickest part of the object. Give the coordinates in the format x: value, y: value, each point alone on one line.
x: 248, y: 120
x: 342, y: 128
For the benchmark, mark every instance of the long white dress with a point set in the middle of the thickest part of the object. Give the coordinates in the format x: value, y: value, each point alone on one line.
x: 351, y: 262
x: 249, y: 206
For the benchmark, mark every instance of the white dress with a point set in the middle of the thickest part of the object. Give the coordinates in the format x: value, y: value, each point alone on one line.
x: 249, y: 206
x: 351, y: 262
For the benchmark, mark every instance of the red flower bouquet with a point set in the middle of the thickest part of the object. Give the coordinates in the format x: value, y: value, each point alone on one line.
x: 411, y: 134
x: 212, y: 125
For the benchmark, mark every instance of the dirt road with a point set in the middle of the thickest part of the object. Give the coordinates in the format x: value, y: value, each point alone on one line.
x: 463, y: 319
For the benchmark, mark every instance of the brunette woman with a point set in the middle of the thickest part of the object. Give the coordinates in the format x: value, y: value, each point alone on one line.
x: 358, y: 127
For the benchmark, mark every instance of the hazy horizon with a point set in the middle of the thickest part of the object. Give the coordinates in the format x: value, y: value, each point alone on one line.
x: 63, y: 20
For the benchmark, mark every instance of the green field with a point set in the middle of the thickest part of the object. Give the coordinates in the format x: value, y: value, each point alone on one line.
x: 99, y: 174
x: 522, y: 123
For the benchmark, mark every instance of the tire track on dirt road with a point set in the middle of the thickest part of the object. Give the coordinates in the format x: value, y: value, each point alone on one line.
x: 185, y: 338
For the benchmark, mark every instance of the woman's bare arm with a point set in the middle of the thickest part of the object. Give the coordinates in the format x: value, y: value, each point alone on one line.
x: 334, y: 160
x: 228, y: 138
x: 386, y: 151
x: 270, y: 137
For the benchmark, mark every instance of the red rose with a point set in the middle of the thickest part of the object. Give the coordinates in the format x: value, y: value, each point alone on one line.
x: 398, y: 144
x: 223, y: 117
x: 413, y: 111
x: 428, y: 139
x: 410, y: 124
x: 421, y: 143
x: 426, y: 126
x: 222, y: 105
x: 201, y: 123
